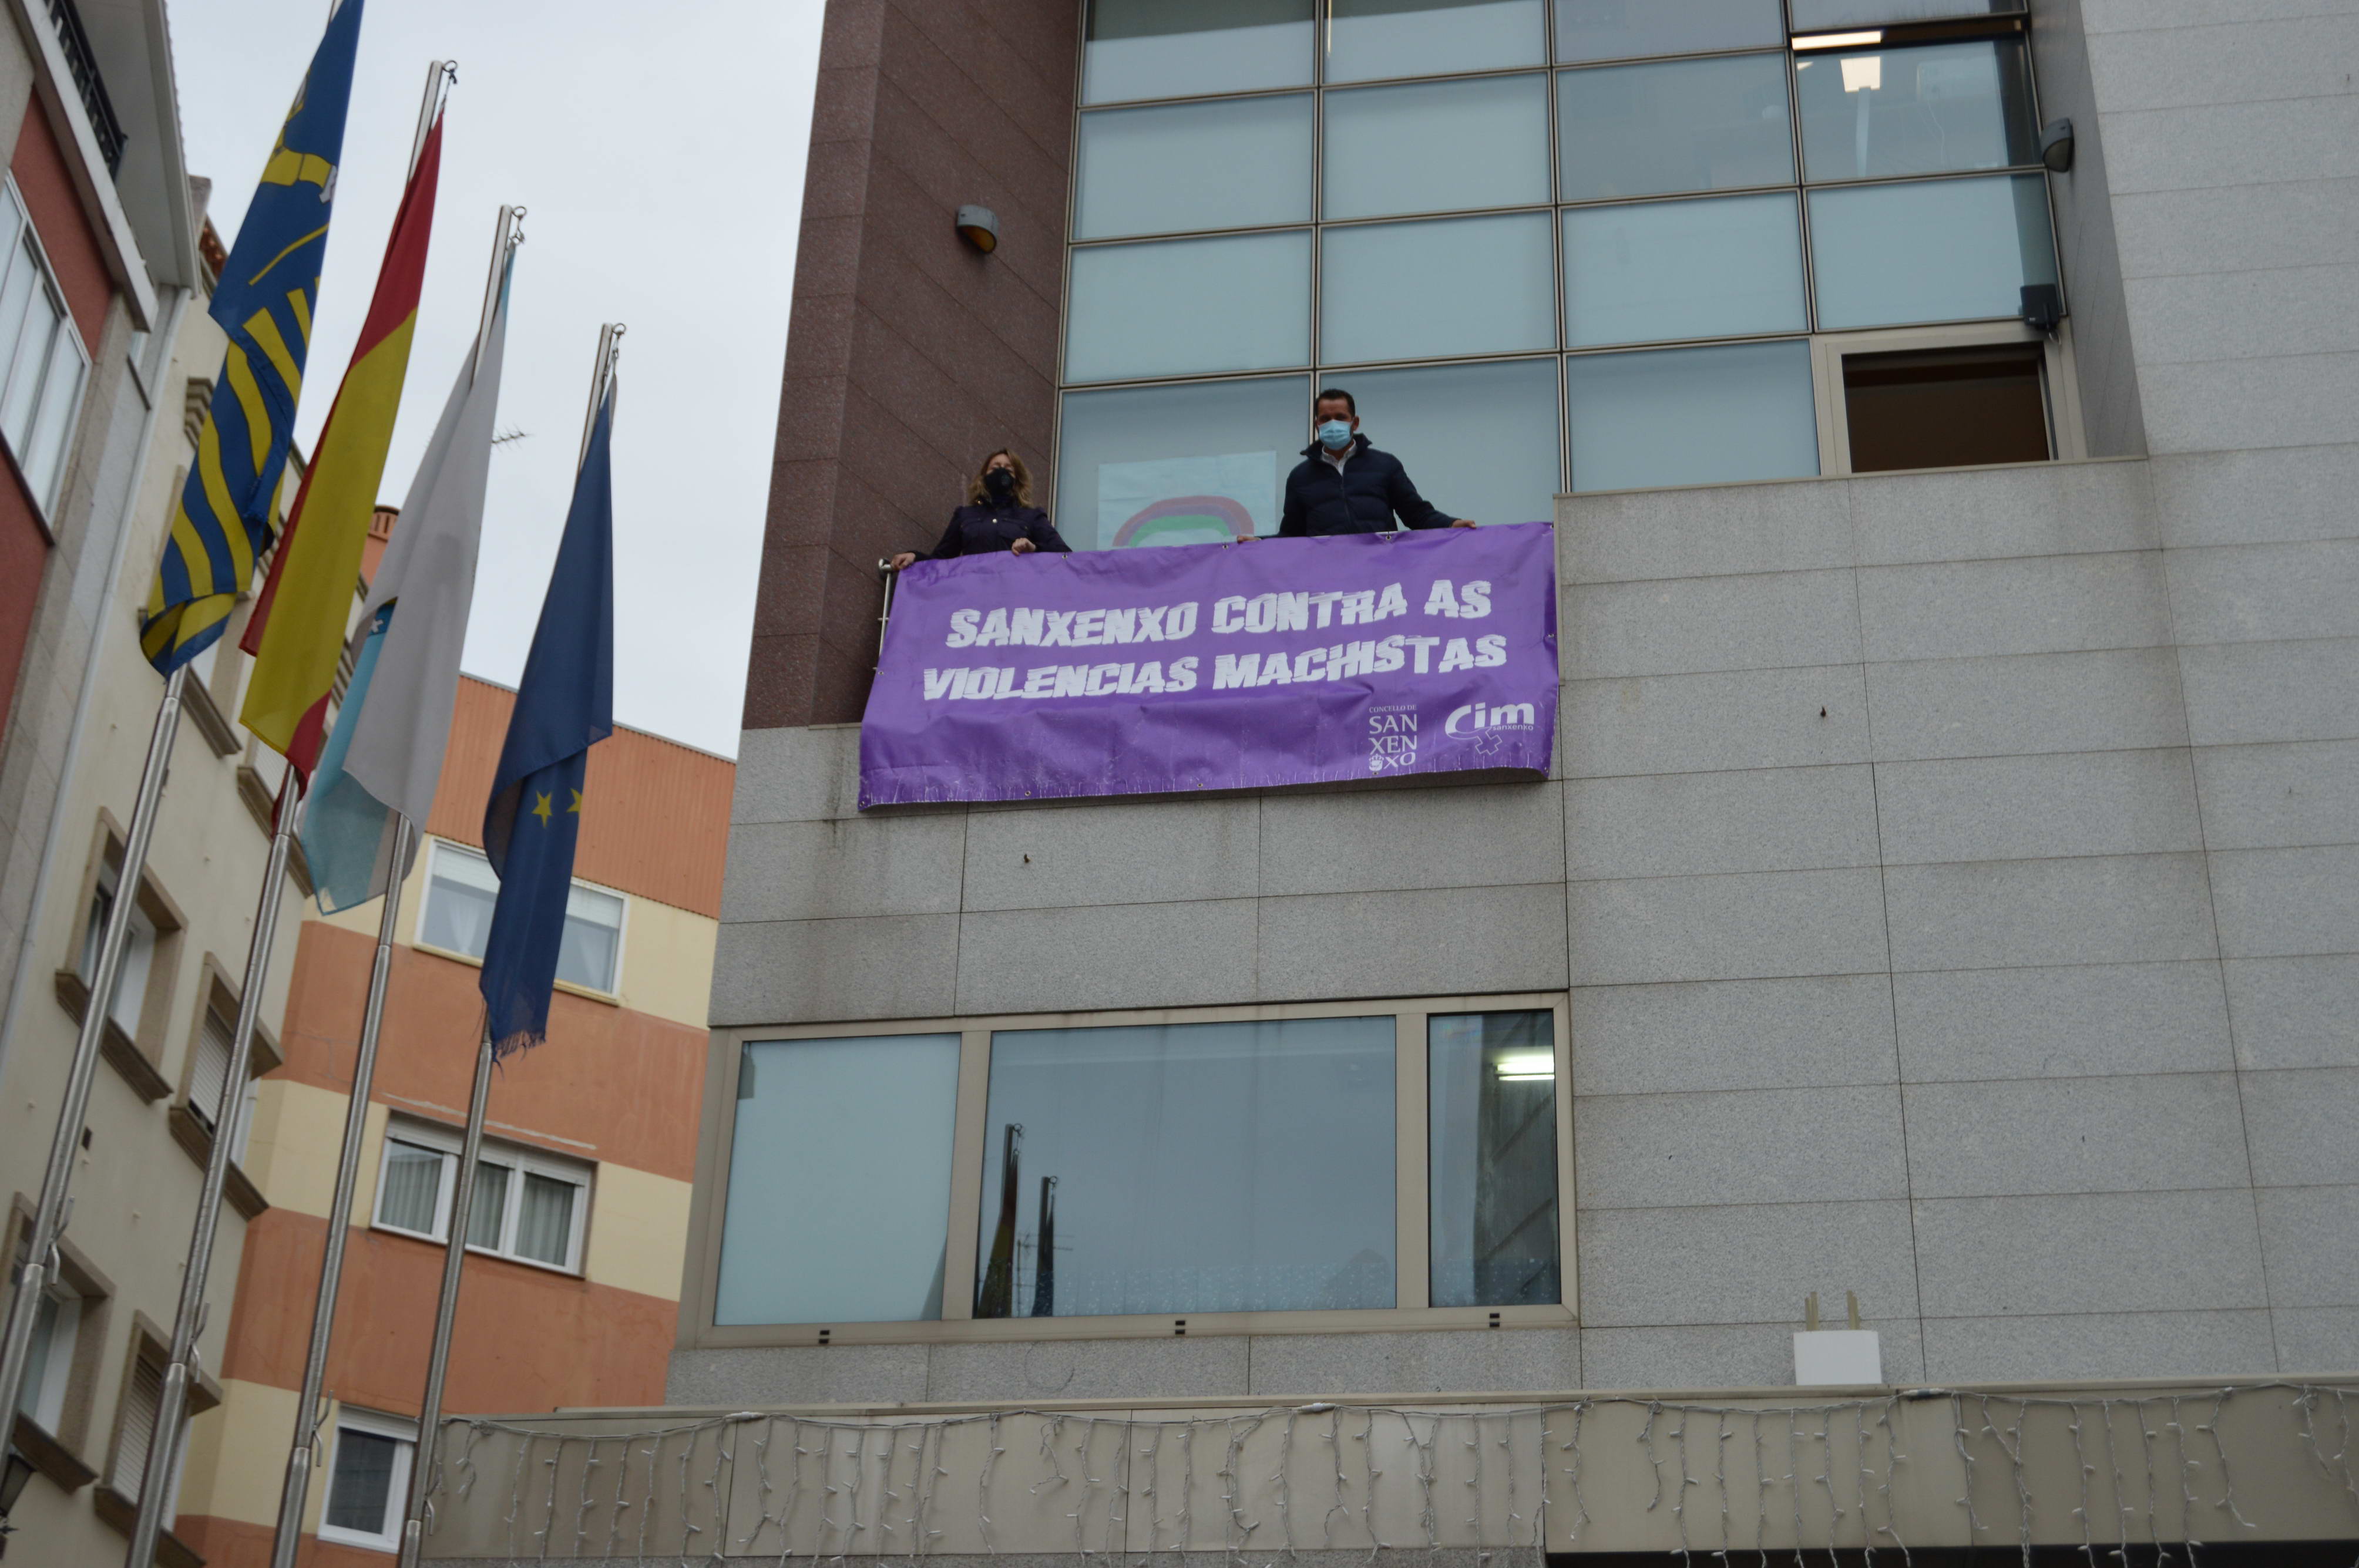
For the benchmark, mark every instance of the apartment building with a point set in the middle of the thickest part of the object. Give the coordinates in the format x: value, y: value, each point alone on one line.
x: 1941, y: 895
x: 111, y: 359
x: 582, y: 1196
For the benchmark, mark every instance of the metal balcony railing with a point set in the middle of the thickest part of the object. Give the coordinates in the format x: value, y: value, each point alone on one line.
x: 83, y: 63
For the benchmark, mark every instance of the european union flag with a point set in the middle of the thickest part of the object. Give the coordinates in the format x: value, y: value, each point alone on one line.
x: 264, y: 300
x: 564, y: 705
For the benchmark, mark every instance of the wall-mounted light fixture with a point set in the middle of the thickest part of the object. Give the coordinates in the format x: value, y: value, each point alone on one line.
x: 2056, y: 146
x: 17, y: 1472
x: 2043, y: 307
x: 979, y: 227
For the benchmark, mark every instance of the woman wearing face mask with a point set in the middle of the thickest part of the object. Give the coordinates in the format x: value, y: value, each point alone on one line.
x: 998, y: 516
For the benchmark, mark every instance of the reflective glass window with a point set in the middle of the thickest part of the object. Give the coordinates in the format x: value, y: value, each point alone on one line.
x: 1820, y: 16
x: 1371, y: 38
x: 1183, y: 307
x: 1719, y: 415
x: 1137, y: 1169
x: 1236, y: 164
x: 1479, y: 440
x: 1177, y: 465
x: 1625, y: 30
x: 1652, y: 270
x: 1672, y: 126
x: 1942, y: 250
x: 1462, y: 286
x: 1920, y: 111
x: 1437, y: 146
x: 1172, y: 48
x: 840, y: 1181
x: 1491, y: 1144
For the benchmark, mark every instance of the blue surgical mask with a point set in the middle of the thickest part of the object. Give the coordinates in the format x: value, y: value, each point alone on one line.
x: 1335, y: 435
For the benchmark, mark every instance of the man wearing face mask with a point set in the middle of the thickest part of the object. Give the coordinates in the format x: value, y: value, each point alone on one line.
x: 998, y: 516
x: 1344, y: 485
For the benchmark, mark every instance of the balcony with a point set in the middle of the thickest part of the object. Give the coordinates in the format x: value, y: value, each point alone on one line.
x: 82, y: 61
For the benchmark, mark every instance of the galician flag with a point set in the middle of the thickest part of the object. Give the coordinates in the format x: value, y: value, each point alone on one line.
x: 264, y: 300
x: 564, y: 705
x: 297, y: 632
x: 386, y: 753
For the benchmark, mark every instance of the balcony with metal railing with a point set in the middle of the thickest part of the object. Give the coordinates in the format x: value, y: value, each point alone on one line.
x: 82, y: 62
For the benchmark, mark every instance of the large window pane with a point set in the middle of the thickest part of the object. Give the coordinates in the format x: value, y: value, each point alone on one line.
x: 1817, y: 16
x: 1171, y: 49
x: 592, y: 935
x: 1920, y: 111
x: 1624, y: 30
x: 413, y: 1188
x: 1674, y: 125
x: 1942, y: 250
x: 1720, y: 415
x: 1490, y: 1142
x: 1479, y: 440
x: 840, y: 1181
x: 459, y: 898
x: 1200, y: 1167
x: 1236, y: 164
x: 1715, y: 268
x: 487, y: 1205
x: 1177, y: 465
x: 545, y: 1221
x: 1436, y: 147
x: 1181, y: 307
x: 1464, y: 286
x: 1370, y: 39
x: 361, y: 1491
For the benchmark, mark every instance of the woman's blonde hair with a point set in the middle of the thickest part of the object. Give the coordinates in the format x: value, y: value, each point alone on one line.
x: 974, y: 491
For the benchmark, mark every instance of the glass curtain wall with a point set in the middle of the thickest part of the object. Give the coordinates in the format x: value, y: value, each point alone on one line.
x: 1548, y: 244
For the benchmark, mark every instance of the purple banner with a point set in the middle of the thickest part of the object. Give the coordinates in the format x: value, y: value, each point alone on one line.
x: 1215, y: 666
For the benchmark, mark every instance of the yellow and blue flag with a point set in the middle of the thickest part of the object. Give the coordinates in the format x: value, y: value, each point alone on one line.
x: 564, y: 705
x: 264, y: 300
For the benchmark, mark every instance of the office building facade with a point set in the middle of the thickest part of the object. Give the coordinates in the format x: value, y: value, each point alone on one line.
x: 1939, y: 896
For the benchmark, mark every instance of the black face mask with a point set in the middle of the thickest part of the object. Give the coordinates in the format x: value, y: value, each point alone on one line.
x: 999, y: 484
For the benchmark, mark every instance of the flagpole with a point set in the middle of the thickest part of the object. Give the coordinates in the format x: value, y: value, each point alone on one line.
x: 292, y: 1495
x: 49, y: 1216
x: 189, y: 1322
x: 426, y: 1463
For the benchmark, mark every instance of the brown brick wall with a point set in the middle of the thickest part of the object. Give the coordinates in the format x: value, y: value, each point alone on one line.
x: 908, y: 355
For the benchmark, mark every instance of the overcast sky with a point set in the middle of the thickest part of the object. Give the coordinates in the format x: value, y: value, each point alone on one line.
x: 659, y: 149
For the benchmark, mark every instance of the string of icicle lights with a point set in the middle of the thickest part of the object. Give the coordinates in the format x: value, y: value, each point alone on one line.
x: 1511, y: 1484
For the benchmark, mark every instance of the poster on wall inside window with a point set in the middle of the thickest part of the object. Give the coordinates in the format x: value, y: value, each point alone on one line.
x: 1199, y: 667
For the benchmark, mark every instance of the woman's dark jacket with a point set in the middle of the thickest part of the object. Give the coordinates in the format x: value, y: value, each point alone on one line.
x: 1363, y: 498
x: 983, y: 528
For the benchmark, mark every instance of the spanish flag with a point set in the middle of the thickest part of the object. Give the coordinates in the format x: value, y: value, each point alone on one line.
x: 264, y: 300
x: 297, y: 632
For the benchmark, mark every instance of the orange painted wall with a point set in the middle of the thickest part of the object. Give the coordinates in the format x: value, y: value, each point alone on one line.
x: 234, y: 1543
x: 47, y: 180
x: 527, y: 1340
x: 649, y: 809
x: 626, y: 1085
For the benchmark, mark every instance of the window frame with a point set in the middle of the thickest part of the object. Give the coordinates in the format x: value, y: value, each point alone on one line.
x: 17, y: 215
x: 2059, y: 383
x: 404, y: 1435
x: 437, y: 847
x: 2067, y: 436
x: 518, y: 1159
x: 962, y: 1263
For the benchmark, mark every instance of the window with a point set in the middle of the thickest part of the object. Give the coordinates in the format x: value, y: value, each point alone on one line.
x: 49, y: 1367
x: 1237, y: 1169
x: 1945, y: 408
x: 43, y: 364
x: 1583, y: 179
x: 527, y: 1206
x: 368, y: 1480
x: 1492, y: 1142
x: 860, y: 1132
x: 209, y: 1071
x: 1189, y: 1168
x: 134, y: 1420
x: 460, y: 891
x: 133, y: 968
